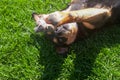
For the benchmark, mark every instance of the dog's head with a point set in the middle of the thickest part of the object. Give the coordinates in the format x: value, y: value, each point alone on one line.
x: 62, y: 36
x: 41, y: 25
x: 65, y: 35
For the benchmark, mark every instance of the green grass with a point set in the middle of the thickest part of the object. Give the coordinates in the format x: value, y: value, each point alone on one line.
x: 25, y: 55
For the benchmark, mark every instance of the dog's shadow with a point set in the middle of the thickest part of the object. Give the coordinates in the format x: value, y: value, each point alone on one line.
x: 86, y: 52
x: 47, y: 58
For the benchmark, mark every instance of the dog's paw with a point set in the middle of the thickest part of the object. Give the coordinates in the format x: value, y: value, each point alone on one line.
x: 55, y: 18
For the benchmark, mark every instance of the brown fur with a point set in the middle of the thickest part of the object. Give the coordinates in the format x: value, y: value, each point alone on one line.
x: 89, y: 15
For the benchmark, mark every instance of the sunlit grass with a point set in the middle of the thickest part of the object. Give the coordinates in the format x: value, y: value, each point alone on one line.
x: 25, y: 55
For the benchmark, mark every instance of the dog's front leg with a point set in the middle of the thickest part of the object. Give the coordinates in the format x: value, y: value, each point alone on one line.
x: 89, y: 17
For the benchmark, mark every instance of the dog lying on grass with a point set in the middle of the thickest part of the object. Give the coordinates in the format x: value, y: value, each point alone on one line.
x: 78, y: 20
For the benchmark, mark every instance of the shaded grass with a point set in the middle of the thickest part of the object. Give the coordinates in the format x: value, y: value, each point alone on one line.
x: 25, y: 55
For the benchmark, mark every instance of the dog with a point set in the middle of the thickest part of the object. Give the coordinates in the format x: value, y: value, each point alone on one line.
x: 61, y: 34
x: 78, y: 20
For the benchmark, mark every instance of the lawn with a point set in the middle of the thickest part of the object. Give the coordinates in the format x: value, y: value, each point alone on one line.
x: 25, y: 55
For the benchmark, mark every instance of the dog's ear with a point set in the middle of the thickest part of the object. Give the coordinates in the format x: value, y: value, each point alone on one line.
x: 35, y: 17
